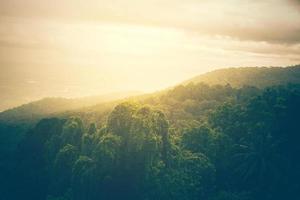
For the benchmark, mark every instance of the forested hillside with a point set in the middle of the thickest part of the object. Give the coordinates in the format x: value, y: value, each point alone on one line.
x: 255, y: 76
x: 260, y: 77
x: 194, y: 141
x: 15, y: 122
x: 36, y: 110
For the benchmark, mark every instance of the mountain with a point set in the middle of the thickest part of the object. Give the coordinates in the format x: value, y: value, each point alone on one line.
x: 48, y: 106
x: 260, y: 77
x: 199, y: 94
x: 196, y: 132
x: 188, y: 141
x: 15, y: 122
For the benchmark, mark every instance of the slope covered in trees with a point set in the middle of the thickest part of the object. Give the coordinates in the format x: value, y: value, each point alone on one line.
x: 194, y: 141
x: 260, y: 77
x: 253, y: 76
x: 16, y: 121
x: 46, y: 107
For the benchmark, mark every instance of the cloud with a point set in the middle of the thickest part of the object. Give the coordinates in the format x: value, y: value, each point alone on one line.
x: 273, y: 21
x: 295, y: 3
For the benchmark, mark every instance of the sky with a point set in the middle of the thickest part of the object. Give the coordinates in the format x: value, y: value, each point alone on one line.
x: 75, y: 48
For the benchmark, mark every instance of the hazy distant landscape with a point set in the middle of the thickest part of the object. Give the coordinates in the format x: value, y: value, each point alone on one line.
x: 149, y: 100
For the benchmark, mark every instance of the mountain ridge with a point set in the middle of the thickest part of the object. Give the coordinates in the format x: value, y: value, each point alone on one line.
x: 51, y: 105
x: 253, y: 76
x: 260, y: 77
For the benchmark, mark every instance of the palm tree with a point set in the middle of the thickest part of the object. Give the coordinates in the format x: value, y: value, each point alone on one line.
x: 257, y: 163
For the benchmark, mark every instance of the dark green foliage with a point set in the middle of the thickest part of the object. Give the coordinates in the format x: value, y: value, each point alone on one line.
x: 193, y: 142
x: 263, y: 134
x: 92, y: 128
x: 72, y: 132
x: 62, y: 169
x: 84, y: 183
x: 200, y: 140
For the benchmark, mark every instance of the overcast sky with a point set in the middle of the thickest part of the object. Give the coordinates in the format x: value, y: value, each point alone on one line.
x: 77, y: 48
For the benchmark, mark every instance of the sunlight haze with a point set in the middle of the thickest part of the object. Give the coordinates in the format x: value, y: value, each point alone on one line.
x: 85, y: 48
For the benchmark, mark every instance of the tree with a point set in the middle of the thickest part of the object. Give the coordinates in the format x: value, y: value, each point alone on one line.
x: 62, y: 171
x: 92, y: 129
x: 200, y: 140
x: 72, y: 132
x: 84, y: 179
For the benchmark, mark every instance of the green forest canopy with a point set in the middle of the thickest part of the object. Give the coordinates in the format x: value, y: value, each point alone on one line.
x: 193, y: 141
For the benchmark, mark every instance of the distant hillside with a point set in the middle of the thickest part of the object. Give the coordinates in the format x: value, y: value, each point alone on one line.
x: 43, y: 108
x: 260, y: 77
x: 185, y: 105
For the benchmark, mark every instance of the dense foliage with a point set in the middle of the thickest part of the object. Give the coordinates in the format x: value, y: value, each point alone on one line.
x: 184, y: 103
x: 260, y: 77
x: 192, y: 142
